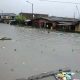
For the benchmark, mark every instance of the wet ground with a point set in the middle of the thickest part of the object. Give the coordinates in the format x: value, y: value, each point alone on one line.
x: 33, y: 51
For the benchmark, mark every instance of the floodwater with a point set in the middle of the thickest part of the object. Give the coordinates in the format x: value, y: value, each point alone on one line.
x: 34, y: 51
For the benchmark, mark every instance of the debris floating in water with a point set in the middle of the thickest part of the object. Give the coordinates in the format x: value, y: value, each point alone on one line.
x: 48, y: 31
x: 14, y: 49
x: 72, y: 50
x: 5, y: 38
x: 46, y: 74
x: 61, y: 34
x: 12, y: 70
x: 5, y: 62
x: 21, y: 79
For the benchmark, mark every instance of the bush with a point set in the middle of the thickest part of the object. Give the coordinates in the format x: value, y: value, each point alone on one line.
x: 20, y: 19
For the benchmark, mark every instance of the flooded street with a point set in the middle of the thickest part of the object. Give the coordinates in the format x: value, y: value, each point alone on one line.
x: 33, y: 51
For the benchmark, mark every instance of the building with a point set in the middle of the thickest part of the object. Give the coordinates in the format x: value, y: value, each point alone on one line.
x: 5, y: 17
x: 44, y: 23
x: 77, y: 27
x: 55, y: 23
x: 30, y: 16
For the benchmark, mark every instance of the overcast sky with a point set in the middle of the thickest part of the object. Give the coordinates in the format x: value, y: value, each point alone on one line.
x: 44, y: 7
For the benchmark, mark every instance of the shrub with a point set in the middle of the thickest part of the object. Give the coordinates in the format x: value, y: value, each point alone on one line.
x: 20, y: 19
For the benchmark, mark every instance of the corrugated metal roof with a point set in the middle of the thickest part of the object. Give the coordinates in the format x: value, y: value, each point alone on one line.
x: 33, y: 14
x: 54, y: 18
x: 61, y: 20
x: 7, y: 14
x: 67, y: 23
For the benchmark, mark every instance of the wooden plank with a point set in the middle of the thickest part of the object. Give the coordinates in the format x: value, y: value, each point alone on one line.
x: 47, y: 74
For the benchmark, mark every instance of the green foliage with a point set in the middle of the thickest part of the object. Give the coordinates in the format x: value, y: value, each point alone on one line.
x: 20, y: 19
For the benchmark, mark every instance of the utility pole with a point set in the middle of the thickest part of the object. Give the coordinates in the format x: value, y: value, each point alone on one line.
x: 32, y: 11
x: 74, y: 15
x: 32, y: 8
x: 1, y: 13
x: 78, y: 11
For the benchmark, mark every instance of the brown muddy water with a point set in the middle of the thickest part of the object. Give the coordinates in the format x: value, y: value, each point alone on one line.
x: 34, y: 51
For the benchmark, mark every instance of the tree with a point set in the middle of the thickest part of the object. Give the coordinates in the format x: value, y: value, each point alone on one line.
x: 20, y: 19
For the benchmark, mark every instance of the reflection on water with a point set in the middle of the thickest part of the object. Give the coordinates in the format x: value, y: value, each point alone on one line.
x: 33, y: 51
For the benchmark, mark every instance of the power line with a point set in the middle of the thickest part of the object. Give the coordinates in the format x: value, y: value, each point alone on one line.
x: 76, y: 4
x: 60, y: 2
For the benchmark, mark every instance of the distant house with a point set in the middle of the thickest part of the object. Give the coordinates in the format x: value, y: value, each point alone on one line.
x: 55, y: 23
x: 44, y: 23
x: 65, y: 24
x: 5, y: 17
x: 35, y: 15
x: 77, y: 27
